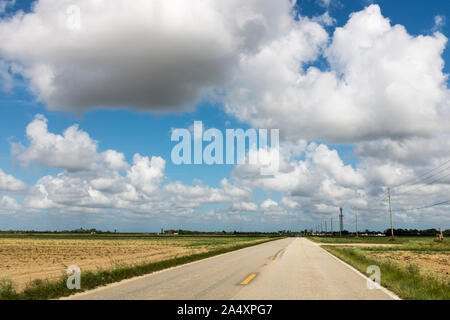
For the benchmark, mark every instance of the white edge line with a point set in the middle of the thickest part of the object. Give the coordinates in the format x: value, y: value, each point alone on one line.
x: 386, y: 291
x: 114, y: 284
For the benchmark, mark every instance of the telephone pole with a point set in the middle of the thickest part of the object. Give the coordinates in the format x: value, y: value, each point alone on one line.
x: 331, y: 220
x: 325, y: 226
x: 356, y: 221
x: 341, y: 222
x: 390, y: 212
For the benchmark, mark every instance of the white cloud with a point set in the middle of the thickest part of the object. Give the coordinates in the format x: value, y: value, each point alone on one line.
x: 74, y: 150
x: 10, y: 184
x: 146, y: 174
x: 114, y: 159
x: 383, y: 83
x: 268, y: 204
x: 329, y: 161
x: 244, y: 206
x: 9, y: 205
x: 410, y: 152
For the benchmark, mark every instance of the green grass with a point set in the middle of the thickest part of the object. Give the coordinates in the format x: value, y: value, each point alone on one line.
x: 41, y: 289
x: 406, y: 282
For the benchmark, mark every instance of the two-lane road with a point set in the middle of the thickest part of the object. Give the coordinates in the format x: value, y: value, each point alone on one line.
x: 293, y: 268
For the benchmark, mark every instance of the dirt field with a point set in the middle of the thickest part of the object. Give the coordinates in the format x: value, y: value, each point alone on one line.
x: 24, y: 260
x: 435, y: 264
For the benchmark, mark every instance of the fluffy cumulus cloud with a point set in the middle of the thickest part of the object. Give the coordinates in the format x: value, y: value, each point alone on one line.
x: 74, y: 150
x: 382, y: 83
x: 9, y: 205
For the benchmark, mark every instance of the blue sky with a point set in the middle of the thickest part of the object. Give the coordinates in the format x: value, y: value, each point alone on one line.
x: 147, y: 132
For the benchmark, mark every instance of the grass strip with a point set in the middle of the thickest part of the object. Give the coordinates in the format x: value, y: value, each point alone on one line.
x: 44, y: 289
x: 407, y: 283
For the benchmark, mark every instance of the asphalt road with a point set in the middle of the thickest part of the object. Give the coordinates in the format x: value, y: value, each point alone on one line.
x: 293, y: 268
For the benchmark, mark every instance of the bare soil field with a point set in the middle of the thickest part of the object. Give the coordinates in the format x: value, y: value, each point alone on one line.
x: 436, y: 264
x: 27, y: 259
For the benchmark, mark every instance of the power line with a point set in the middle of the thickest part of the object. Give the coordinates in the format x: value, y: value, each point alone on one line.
x: 427, y: 206
x: 419, y: 178
x: 428, y: 183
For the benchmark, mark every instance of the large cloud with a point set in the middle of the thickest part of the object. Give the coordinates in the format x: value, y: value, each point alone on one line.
x: 382, y: 83
x: 74, y: 150
x: 139, y: 54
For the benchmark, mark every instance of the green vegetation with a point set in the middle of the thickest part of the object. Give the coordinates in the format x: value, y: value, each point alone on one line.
x: 407, y: 283
x: 43, y: 289
x: 411, y: 267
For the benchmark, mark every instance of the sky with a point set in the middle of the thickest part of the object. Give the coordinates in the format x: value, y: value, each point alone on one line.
x: 91, y: 91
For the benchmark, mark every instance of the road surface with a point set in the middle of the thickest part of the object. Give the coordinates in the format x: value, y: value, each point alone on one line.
x: 293, y: 268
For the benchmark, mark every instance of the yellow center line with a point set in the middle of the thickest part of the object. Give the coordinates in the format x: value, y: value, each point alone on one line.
x: 276, y: 254
x: 248, y: 279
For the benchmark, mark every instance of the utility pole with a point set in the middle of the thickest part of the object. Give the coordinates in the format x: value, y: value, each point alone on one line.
x: 341, y: 222
x: 325, y: 226
x: 390, y: 212
x: 331, y: 220
x: 356, y: 222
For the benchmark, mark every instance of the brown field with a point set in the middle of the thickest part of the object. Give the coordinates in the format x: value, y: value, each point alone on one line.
x: 25, y: 259
x: 436, y: 264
